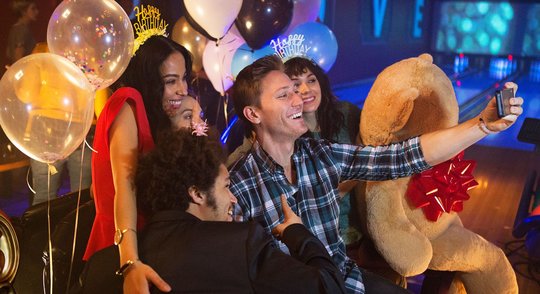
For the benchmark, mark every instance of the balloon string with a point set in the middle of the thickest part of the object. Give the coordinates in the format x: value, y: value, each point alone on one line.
x: 225, y: 107
x: 87, y: 144
x: 221, y: 62
x: 76, y: 217
x: 28, y: 181
x: 51, y: 170
x: 218, y: 110
x: 222, y: 92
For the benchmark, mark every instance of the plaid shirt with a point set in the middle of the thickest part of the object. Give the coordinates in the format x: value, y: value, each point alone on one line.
x: 258, y: 181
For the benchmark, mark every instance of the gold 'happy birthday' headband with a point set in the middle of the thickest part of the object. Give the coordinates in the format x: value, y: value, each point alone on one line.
x: 149, y: 23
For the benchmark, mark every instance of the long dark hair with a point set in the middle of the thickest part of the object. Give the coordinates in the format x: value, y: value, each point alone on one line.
x: 143, y: 74
x: 329, y: 118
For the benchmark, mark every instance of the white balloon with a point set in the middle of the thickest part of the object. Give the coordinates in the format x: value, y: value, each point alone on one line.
x: 217, y: 59
x: 214, y: 16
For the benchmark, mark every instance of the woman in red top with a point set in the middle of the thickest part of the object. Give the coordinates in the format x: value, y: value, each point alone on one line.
x: 154, y: 87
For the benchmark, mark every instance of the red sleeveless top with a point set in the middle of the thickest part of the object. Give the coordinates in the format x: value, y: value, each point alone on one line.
x: 102, y: 233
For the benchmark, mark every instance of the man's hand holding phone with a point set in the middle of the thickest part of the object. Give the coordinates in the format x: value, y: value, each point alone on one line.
x: 503, y: 110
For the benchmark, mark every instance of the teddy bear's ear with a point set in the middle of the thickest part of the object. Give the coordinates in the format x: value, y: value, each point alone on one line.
x: 426, y: 57
x: 382, y: 118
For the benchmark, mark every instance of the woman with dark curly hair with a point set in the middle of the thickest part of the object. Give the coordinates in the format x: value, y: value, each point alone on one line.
x: 153, y: 93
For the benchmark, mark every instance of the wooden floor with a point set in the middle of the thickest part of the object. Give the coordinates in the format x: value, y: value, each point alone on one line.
x: 490, y: 212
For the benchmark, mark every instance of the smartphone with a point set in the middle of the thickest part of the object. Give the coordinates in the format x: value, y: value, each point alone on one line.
x: 503, y: 101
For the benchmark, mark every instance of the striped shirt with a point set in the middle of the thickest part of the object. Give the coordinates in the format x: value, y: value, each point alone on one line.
x: 258, y: 181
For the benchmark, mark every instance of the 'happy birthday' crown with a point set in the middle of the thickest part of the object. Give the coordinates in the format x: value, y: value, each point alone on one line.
x: 290, y: 46
x: 149, y: 23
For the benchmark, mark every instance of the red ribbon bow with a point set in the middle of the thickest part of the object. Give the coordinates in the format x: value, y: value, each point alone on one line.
x: 442, y: 188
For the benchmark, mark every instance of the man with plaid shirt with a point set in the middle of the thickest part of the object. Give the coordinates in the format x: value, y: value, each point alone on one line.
x: 308, y: 171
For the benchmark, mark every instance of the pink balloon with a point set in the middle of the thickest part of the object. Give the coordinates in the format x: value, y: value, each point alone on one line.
x: 217, y: 59
x: 234, y: 31
x: 303, y: 11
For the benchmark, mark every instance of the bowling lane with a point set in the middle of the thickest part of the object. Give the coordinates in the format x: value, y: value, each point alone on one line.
x: 473, y: 85
x: 355, y: 93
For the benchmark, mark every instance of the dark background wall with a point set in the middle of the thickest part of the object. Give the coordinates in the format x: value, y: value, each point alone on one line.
x: 360, y: 53
x: 39, y: 28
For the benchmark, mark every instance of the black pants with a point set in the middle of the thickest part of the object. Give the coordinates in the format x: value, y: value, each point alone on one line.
x: 376, y: 284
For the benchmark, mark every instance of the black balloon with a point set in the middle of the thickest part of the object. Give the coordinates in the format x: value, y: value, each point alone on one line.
x: 259, y: 21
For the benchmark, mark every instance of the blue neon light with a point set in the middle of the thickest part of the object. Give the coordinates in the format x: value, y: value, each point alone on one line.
x: 225, y: 134
x: 418, y: 17
x: 379, y: 10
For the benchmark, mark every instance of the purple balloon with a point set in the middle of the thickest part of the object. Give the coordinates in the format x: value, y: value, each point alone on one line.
x: 304, y: 11
x: 259, y: 21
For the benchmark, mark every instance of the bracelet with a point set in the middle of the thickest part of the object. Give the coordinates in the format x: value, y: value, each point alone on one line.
x: 119, y: 235
x: 124, y: 268
x: 482, y: 126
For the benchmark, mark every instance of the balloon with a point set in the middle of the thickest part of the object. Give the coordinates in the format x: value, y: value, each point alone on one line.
x: 235, y: 31
x: 195, y: 42
x: 304, y: 11
x: 245, y: 56
x: 321, y: 42
x: 41, y: 47
x: 96, y: 35
x: 197, y: 27
x: 217, y: 59
x: 259, y: 21
x: 46, y: 106
x: 214, y: 16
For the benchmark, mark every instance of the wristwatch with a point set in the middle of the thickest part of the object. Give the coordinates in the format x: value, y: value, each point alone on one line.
x: 119, y: 235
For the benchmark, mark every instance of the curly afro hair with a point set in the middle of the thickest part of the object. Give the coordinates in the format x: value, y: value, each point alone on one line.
x: 179, y: 160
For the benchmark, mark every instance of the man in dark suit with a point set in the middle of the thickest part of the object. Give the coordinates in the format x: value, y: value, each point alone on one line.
x: 190, y: 240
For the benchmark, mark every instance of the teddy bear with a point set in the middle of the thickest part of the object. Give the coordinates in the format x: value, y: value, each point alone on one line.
x: 409, y: 98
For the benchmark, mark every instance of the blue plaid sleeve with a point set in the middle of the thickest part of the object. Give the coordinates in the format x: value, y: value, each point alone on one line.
x: 379, y: 163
